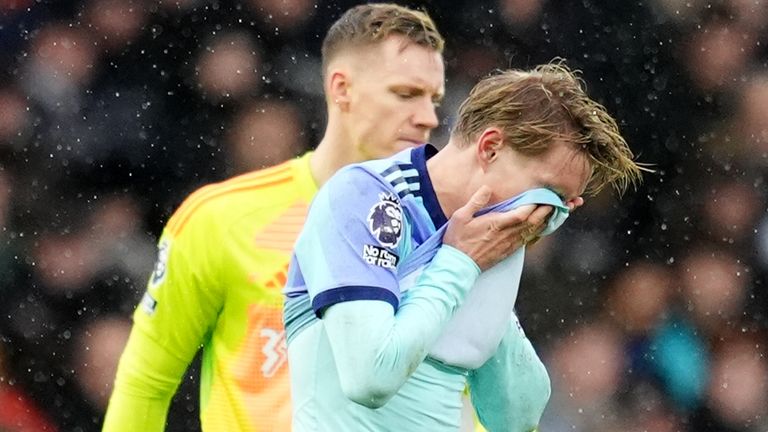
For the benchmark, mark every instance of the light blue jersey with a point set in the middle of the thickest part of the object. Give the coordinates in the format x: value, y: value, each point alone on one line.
x: 373, y: 214
x: 361, y: 240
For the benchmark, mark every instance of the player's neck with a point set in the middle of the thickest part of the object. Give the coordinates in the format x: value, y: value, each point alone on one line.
x: 449, y: 187
x: 331, y: 154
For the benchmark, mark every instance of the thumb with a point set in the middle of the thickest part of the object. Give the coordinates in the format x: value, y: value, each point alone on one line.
x: 478, y: 200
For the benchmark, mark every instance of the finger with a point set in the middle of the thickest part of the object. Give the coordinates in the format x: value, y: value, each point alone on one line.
x: 539, y: 216
x: 536, y: 223
x: 476, y: 203
x: 515, y: 217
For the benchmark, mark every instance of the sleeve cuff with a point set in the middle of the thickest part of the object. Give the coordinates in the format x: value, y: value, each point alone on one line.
x: 328, y: 298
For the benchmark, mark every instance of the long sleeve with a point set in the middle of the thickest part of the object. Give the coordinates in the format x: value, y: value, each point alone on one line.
x: 147, y: 378
x: 511, y: 390
x: 376, y: 349
x: 171, y: 323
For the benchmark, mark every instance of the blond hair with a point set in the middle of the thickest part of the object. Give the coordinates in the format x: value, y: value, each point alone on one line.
x: 369, y: 24
x: 537, y: 107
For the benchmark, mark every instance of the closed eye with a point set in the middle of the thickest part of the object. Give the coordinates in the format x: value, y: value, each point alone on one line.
x: 410, y: 92
x: 407, y: 93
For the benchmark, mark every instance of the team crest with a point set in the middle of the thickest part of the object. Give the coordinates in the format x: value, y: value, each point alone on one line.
x: 385, y: 220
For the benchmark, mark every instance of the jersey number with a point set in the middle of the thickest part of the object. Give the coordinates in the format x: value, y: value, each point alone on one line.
x: 275, y: 351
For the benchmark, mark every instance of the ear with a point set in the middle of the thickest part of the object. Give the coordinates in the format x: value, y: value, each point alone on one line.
x: 338, y: 88
x: 489, y: 144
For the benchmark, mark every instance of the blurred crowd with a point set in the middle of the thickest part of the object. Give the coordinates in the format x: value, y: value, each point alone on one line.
x: 650, y: 310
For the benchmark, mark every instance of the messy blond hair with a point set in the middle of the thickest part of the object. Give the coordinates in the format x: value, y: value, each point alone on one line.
x: 369, y: 24
x: 537, y: 107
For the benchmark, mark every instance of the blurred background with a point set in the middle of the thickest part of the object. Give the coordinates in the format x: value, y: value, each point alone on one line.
x: 650, y: 310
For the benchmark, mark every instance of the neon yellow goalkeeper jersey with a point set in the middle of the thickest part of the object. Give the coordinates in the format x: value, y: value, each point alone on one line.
x: 217, y: 284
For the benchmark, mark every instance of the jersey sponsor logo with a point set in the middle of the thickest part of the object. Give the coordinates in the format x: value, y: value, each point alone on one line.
x: 385, y: 220
x: 379, y: 256
x: 161, y: 265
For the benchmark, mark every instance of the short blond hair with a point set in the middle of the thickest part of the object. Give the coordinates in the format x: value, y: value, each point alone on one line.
x: 369, y: 24
x: 537, y: 107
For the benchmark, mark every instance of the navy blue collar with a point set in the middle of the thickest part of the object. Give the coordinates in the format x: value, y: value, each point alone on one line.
x: 419, y: 157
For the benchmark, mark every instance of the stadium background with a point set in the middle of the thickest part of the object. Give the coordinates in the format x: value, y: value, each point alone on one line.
x: 650, y: 311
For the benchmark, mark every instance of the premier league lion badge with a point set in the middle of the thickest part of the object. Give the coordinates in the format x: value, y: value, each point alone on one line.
x: 385, y: 220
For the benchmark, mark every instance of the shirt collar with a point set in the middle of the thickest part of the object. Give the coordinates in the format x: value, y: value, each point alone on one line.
x: 419, y: 157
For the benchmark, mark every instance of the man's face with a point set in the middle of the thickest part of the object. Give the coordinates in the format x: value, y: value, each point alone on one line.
x: 563, y: 168
x: 393, y: 91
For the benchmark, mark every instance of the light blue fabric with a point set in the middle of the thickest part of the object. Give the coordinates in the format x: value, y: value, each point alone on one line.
x: 355, y: 355
x: 509, y: 384
x: 347, y: 387
x: 356, y: 366
x: 473, y: 334
x: 424, y: 253
x: 354, y: 369
x: 511, y: 390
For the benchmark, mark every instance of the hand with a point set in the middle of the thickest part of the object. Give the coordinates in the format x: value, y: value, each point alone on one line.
x: 490, y: 238
x: 572, y: 205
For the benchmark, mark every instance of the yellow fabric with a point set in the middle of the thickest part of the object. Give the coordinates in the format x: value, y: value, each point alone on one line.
x: 217, y: 285
x: 478, y: 426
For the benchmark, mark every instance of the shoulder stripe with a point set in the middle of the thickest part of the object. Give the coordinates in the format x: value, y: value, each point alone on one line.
x: 405, y: 192
x: 207, y: 193
x: 409, y: 171
x: 389, y: 171
x: 404, y: 178
x: 247, y: 177
x: 397, y: 181
x: 402, y: 187
x: 277, y: 169
x: 204, y: 191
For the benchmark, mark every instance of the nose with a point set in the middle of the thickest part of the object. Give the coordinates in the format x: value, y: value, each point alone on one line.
x: 425, y: 116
